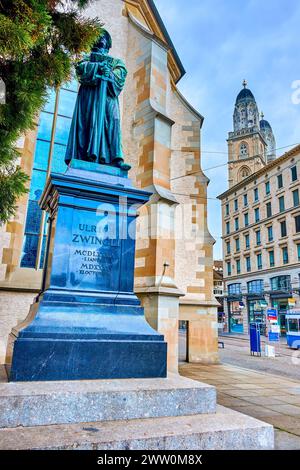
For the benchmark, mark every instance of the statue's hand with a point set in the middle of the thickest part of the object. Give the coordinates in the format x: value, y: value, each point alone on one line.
x: 105, y: 70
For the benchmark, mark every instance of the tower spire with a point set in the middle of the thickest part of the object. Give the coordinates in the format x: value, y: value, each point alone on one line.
x: 262, y: 115
x: 245, y: 83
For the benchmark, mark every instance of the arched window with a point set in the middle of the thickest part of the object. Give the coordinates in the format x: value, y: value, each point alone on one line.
x: 244, y: 173
x: 234, y: 289
x: 244, y: 150
x: 255, y: 287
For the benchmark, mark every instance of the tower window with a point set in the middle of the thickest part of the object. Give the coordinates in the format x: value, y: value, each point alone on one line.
x: 244, y: 172
x: 244, y: 153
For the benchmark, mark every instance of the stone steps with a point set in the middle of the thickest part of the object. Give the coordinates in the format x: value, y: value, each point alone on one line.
x: 222, y: 430
x: 47, y: 403
x: 151, y: 414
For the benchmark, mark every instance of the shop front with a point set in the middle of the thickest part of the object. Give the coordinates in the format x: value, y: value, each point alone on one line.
x: 235, y: 307
x: 281, y: 293
x: 256, y: 304
x: 282, y: 306
x: 257, y: 312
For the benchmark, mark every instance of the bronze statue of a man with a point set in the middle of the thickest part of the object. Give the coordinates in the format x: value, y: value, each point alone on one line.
x: 95, y: 133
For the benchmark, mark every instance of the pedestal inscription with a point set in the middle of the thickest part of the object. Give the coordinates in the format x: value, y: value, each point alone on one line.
x: 88, y: 322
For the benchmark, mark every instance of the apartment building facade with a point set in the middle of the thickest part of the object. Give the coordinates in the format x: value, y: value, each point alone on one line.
x: 261, y: 233
x: 261, y: 243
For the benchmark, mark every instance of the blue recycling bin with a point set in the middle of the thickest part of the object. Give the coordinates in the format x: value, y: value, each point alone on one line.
x: 255, y: 343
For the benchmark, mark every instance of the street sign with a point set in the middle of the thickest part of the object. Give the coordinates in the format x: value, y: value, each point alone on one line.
x: 273, y: 337
x: 272, y: 314
x: 275, y: 328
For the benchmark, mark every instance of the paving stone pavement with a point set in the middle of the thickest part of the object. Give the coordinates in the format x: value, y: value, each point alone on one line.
x: 268, y: 397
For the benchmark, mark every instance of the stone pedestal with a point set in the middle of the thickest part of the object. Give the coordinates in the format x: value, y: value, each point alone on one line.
x: 87, y: 323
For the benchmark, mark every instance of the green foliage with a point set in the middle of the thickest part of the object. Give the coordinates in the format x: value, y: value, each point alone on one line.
x: 12, y: 184
x: 39, y: 40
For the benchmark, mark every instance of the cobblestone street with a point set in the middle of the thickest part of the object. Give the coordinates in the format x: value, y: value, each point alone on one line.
x: 264, y: 388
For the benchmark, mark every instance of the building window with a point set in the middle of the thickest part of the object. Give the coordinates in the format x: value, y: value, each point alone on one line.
x: 236, y: 224
x: 294, y: 173
x: 271, y: 259
x: 227, y: 209
x: 255, y: 287
x: 258, y: 237
x: 49, y: 156
x: 234, y: 289
x: 256, y: 215
x: 270, y: 233
x: 246, y: 219
x: 244, y: 150
x: 281, y: 283
x: 237, y: 244
x: 228, y: 248
x: 269, y: 209
x: 267, y: 186
x: 236, y: 205
x: 255, y: 194
x: 259, y: 261
x: 297, y: 223
x: 283, y: 228
x: 238, y: 266
x: 296, y: 197
x: 298, y: 251
x: 227, y: 228
x: 285, y: 255
x: 245, y: 200
x: 279, y: 181
x: 281, y: 204
x: 228, y: 269
x: 247, y: 241
x: 218, y: 288
x: 248, y: 264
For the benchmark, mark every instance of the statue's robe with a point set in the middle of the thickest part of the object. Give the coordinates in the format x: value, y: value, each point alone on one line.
x: 86, y: 140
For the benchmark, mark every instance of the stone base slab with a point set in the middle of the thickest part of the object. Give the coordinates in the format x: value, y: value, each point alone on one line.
x: 61, y: 359
x: 224, y: 430
x: 52, y: 403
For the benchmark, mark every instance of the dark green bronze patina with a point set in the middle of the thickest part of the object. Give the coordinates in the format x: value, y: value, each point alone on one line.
x: 95, y: 134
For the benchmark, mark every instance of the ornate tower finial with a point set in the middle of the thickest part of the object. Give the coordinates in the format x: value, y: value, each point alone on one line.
x: 262, y: 115
x: 245, y: 83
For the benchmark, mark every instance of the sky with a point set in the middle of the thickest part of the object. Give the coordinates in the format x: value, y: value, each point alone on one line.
x: 222, y: 42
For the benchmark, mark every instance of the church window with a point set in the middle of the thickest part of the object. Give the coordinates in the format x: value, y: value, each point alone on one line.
x: 244, y: 150
x: 52, y: 137
x: 243, y: 173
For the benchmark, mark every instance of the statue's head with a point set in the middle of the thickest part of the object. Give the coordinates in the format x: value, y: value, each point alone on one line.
x: 104, y: 42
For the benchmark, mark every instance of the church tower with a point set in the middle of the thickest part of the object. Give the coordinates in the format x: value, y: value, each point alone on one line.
x: 267, y: 133
x: 252, y: 143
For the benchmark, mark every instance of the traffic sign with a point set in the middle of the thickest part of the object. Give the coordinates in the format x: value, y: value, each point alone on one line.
x: 272, y: 314
x: 273, y: 337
